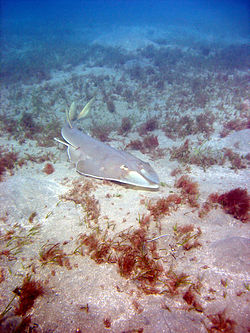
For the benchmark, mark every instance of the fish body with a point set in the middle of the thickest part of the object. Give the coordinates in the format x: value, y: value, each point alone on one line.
x: 96, y: 159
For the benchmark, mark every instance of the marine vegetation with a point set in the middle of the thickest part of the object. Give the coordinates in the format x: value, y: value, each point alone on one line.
x: 27, y: 293
x: 187, y: 154
x: 81, y: 194
x: 149, y: 126
x: 48, y: 168
x: 147, y: 145
x: 164, y: 206
x: 19, y: 321
x: 126, y: 126
x: 234, y: 125
x: 221, y: 323
x: 235, y: 202
x: 187, y: 235
x: 54, y: 254
x: 8, y: 161
x: 13, y: 241
x: 137, y: 256
x: 189, y: 190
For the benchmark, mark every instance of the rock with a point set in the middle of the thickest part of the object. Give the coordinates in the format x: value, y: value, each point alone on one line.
x: 232, y: 253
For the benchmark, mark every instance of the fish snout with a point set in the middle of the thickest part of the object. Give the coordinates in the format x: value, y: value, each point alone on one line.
x: 143, y: 175
x: 148, y: 172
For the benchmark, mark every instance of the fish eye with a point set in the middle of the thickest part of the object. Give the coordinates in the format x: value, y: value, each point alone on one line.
x: 124, y: 167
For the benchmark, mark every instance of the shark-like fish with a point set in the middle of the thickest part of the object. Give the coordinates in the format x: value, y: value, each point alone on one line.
x: 96, y: 159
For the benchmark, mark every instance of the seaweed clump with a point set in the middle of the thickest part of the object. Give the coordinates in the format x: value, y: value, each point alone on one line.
x: 110, y: 105
x: 189, y: 190
x: 187, y: 237
x: 54, y: 254
x: 163, y: 205
x: 80, y: 195
x: 98, y: 251
x: 101, y: 133
x: 235, y: 202
x: 185, y: 125
x: 29, y: 126
x: 149, y: 126
x: 136, y: 260
x: 48, y: 168
x: 234, y: 125
x: 220, y: 323
x: 135, y: 257
x: 205, y: 157
x: 136, y: 145
x: 191, y: 299
x: 27, y: 294
x: 237, y: 161
x: 7, y: 162
x: 125, y: 126
x: 201, y: 156
x: 149, y: 144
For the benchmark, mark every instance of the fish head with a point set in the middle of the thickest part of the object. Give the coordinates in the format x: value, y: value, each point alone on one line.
x: 139, y: 174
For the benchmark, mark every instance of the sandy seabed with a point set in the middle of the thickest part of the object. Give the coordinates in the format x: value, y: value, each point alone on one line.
x: 41, y: 212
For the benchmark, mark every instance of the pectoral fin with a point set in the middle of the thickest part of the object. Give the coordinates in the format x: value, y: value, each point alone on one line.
x: 88, y: 168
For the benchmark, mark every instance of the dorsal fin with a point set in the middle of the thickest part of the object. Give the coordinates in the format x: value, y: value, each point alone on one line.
x: 86, y: 109
x: 68, y: 116
x: 71, y: 113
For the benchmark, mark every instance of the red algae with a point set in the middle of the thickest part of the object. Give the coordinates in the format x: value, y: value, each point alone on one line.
x: 187, y: 236
x: 189, y: 190
x: 54, y: 254
x: 126, y: 263
x: 136, y: 145
x: 27, y: 294
x: 149, y: 126
x: 190, y: 298
x: 132, y: 254
x: 163, y: 205
x: 150, y: 142
x: 48, y: 169
x: 107, y: 322
x: 236, y: 203
x: 187, y: 186
x: 125, y: 126
x: 7, y: 162
x: 80, y: 195
x: 220, y: 323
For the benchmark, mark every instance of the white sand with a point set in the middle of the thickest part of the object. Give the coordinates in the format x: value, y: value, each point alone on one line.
x: 223, y: 256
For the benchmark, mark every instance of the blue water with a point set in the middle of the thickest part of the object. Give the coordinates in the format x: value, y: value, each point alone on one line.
x: 32, y: 32
x: 22, y: 16
x: 59, y: 22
